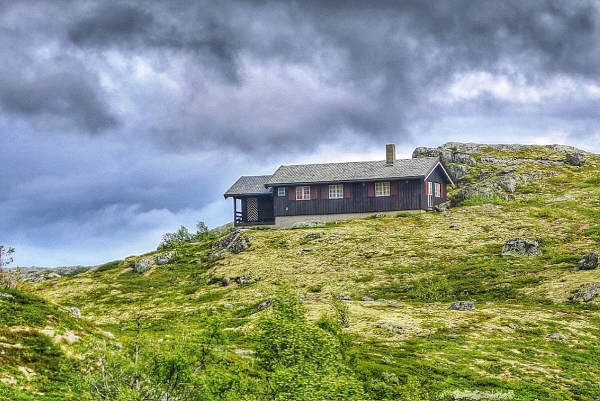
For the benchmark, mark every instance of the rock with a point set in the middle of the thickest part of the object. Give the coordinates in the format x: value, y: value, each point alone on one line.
x: 343, y: 297
x: 508, y: 170
x: 242, y: 280
x: 509, y: 184
x: 232, y: 242
x: 240, y: 245
x: 366, y: 299
x: 442, y: 207
x: 4, y: 295
x: 462, y: 305
x: 265, y: 304
x: 228, y: 306
x: 514, y: 326
x: 588, y: 262
x: 557, y: 336
x: 213, y: 280
x: 74, y: 311
x: 587, y: 292
x: 390, y: 327
x: 463, y: 158
x: 559, y: 199
x: 143, y: 265
x: 163, y: 258
x: 458, y: 171
x: 380, y: 215
x: 393, y: 304
x: 224, y: 242
x: 423, y: 151
x: 224, y: 282
x: 521, y: 247
x: 576, y: 159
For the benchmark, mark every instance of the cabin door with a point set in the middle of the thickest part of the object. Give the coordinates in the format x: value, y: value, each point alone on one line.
x: 429, y: 194
x: 252, y: 210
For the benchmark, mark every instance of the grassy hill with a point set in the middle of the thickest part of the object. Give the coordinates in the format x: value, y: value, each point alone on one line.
x: 526, y: 339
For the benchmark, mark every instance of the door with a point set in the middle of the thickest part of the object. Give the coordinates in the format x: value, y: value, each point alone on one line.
x: 252, y: 210
x: 429, y: 194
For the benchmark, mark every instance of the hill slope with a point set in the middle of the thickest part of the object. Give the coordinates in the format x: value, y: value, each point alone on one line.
x: 525, y: 339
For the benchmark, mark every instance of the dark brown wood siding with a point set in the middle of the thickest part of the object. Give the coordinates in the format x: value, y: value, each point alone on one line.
x: 408, y: 198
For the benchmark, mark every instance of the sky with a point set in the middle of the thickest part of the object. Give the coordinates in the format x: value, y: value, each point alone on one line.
x: 123, y: 120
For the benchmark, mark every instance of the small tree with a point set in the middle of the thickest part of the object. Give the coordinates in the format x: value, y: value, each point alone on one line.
x: 5, y: 259
x: 7, y: 279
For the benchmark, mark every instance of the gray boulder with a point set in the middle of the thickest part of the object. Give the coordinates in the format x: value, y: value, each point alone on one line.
x: 343, y: 297
x: 521, y: 247
x: 390, y: 327
x: 74, y: 311
x: 576, y: 159
x: 589, y: 261
x: 587, y: 292
x: 163, y: 258
x: 143, y: 265
x: 366, y: 299
x: 4, y: 295
x: 463, y: 158
x: 462, y: 305
x: 423, y: 151
x: 265, y: 304
x: 458, y: 171
x: 442, y: 207
x: 509, y: 184
x: 557, y: 336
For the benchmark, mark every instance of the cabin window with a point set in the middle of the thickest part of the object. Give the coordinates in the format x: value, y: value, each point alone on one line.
x: 281, y: 191
x: 336, y: 191
x: 303, y: 193
x: 382, y: 189
x: 438, y: 191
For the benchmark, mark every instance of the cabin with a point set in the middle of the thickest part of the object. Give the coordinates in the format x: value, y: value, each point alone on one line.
x: 336, y: 191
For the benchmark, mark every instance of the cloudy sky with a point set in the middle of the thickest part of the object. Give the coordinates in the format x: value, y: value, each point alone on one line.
x: 122, y: 120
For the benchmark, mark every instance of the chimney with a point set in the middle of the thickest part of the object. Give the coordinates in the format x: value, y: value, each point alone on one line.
x: 390, y: 154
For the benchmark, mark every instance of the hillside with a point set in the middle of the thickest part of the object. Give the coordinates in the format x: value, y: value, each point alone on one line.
x: 527, y: 337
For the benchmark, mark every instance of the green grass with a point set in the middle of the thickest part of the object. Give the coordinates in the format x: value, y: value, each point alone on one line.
x: 417, y: 263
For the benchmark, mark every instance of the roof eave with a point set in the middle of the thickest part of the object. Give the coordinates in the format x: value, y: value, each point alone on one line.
x: 284, y: 184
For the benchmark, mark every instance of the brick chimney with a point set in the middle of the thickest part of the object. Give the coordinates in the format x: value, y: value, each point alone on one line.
x: 390, y: 154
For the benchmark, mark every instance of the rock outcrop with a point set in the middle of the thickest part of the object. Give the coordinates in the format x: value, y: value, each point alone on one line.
x: 521, y: 247
x: 587, y: 292
x: 588, y: 262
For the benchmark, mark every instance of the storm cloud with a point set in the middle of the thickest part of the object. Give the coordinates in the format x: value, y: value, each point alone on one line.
x: 115, y: 111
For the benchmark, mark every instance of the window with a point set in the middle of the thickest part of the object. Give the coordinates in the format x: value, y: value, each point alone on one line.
x: 281, y: 191
x: 303, y: 193
x: 438, y: 191
x: 382, y: 189
x: 336, y: 191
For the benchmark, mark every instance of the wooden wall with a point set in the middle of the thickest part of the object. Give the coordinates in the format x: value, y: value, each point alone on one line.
x: 405, y: 196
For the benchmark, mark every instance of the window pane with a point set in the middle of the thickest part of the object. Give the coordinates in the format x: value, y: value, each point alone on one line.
x: 382, y: 189
x: 336, y: 191
x: 281, y: 191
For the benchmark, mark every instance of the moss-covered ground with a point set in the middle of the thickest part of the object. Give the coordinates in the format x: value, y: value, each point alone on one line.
x: 412, y: 266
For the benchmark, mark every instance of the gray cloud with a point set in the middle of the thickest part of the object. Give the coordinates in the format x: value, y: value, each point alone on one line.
x: 183, y: 96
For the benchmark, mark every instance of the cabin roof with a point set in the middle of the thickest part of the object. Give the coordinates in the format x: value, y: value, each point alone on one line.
x: 351, y: 171
x: 249, y: 185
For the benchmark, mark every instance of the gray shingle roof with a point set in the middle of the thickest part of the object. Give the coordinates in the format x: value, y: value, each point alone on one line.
x: 249, y: 185
x: 351, y: 171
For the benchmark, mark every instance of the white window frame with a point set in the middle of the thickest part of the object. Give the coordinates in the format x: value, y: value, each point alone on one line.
x: 336, y: 191
x: 281, y: 191
x: 438, y: 189
x: 303, y: 192
x: 382, y: 188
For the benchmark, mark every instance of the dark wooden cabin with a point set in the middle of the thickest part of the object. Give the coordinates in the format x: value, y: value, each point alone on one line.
x: 340, y: 190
